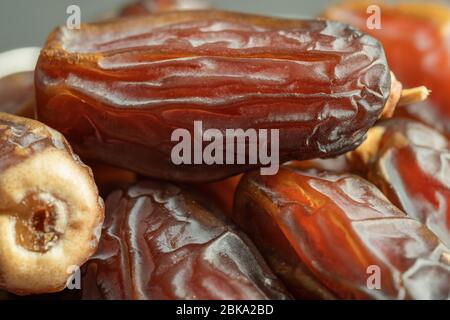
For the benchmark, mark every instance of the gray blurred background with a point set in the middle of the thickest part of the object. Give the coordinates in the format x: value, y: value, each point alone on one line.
x: 27, y: 22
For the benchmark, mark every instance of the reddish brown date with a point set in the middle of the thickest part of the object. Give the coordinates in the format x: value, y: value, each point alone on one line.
x: 162, y: 242
x: 410, y: 163
x: 118, y: 90
x: 333, y: 235
x: 416, y: 38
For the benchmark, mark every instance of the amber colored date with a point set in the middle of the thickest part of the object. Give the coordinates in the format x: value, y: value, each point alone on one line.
x: 415, y: 37
x: 326, y: 234
x: 50, y: 210
x: 410, y: 163
x: 17, y: 94
x: 162, y: 242
x: 118, y: 90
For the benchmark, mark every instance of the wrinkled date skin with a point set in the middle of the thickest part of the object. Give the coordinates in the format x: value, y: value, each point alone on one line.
x: 144, y: 7
x: 410, y: 163
x: 162, y: 242
x: 324, y: 234
x: 118, y: 90
x: 50, y: 210
x: 17, y: 94
x: 416, y: 38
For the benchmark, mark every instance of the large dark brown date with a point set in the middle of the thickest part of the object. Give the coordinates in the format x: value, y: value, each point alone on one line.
x: 333, y: 235
x: 118, y: 90
x: 410, y: 163
x: 162, y: 242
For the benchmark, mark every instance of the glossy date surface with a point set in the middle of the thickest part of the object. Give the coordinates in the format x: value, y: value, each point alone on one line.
x: 410, y: 163
x: 162, y: 242
x: 118, y: 90
x: 324, y: 234
x: 416, y: 39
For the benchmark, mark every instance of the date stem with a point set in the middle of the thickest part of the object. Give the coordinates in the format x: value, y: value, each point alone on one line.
x: 413, y: 95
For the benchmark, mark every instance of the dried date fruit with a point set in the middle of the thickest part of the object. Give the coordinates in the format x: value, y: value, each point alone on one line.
x: 50, y: 210
x: 332, y: 235
x: 162, y: 242
x: 410, y: 163
x: 143, y: 7
x: 415, y: 37
x: 17, y: 94
x: 118, y: 90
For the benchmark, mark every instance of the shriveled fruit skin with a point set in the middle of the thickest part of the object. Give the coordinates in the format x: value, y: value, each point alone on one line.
x: 163, y: 242
x: 326, y: 234
x: 416, y: 39
x: 50, y: 210
x: 410, y: 163
x: 118, y: 90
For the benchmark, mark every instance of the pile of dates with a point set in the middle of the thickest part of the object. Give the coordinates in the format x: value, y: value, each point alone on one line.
x: 176, y: 151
